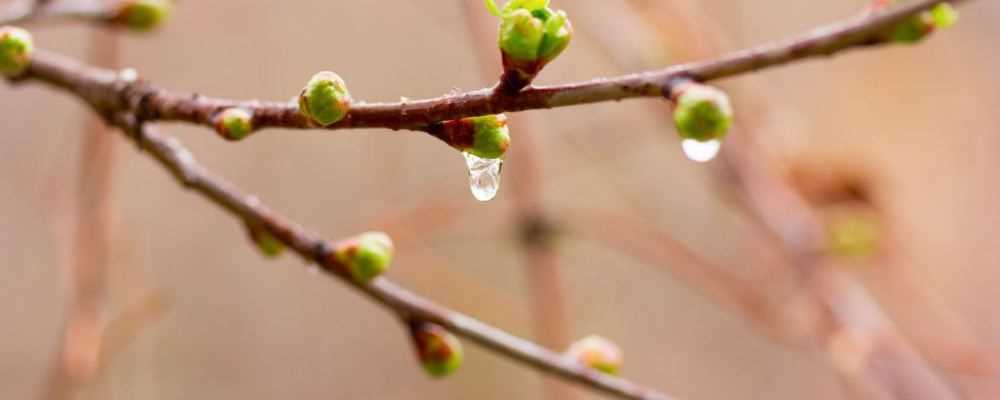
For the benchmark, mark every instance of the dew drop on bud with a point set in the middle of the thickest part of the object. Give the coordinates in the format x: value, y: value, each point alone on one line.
x: 701, y: 151
x: 484, y: 176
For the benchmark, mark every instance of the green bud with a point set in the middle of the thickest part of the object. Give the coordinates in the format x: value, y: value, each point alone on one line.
x: 439, y: 351
x: 485, y: 137
x: 144, y: 15
x: 532, y: 32
x: 16, y: 47
x: 234, y: 123
x: 325, y: 99
x: 598, y: 353
x: 491, y: 137
x: 520, y: 35
x: 701, y: 112
x: 916, y: 28
x: 944, y: 16
x: 366, y: 256
x: 268, y: 245
x: 558, y: 33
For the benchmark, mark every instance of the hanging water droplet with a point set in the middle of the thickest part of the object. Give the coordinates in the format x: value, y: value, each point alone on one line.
x: 484, y: 176
x: 701, y: 151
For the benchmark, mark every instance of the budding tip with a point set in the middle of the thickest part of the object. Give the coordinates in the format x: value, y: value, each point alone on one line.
x: 16, y: 49
x: 439, y: 351
x: 598, y: 353
x: 532, y: 35
x: 325, y: 100
x: 234, y: 123
x: 144, y: 15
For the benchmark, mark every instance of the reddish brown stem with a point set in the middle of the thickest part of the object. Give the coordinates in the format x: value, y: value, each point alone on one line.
x: 100, y: 88
x: 407, y: 305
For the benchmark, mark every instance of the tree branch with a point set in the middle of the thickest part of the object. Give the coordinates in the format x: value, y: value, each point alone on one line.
x: 408, y: 305
x: 98, y: 86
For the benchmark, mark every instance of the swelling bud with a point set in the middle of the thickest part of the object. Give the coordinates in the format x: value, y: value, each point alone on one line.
x: 325, y: 99
x: 438, y: 350
x: 701, y: 112
x: 16, y: 48
x: 366, y: 256
x: 143, y: 15
x: 234, y: 123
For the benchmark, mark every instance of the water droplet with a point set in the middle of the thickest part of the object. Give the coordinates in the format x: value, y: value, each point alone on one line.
x: 128, y: 75
x: 701, y: 151
x: 484, y: 176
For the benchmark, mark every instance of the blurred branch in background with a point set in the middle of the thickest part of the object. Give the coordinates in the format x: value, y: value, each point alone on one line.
x: 89, y: 340
x: 536, y: 228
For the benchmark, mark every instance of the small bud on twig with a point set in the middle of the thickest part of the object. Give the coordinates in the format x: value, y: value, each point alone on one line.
x: 485, y: 137
x: 325, y: 99
x: 701, y: 112
x: 366, y: 256
x: 919, y: 26
x: 143, y: 15
x: 439, y: 351
x: 16, y: 48
x: 268, y: 245
x: 531, y: 35
x: 234, y: 123
x: 598, y: 353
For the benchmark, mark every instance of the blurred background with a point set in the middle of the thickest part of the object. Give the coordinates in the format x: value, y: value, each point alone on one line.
x: 206, y: 317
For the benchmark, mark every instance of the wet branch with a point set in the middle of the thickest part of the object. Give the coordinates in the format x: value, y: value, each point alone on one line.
x: 99, y: 86
x: 407, y: 305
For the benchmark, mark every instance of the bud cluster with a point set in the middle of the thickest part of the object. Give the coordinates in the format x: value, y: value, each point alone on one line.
x: 531, y: 35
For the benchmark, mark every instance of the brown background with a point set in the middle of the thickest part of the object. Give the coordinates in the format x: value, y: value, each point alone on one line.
x: 920, y: 121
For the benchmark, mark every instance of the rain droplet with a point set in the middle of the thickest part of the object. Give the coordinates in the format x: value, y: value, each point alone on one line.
x: 128, y: 75
x: 701, y: 151
x: 484, y: 176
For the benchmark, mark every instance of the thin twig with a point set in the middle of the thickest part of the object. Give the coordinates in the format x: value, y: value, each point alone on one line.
x: 96, y: 86
x: 408, y: 305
